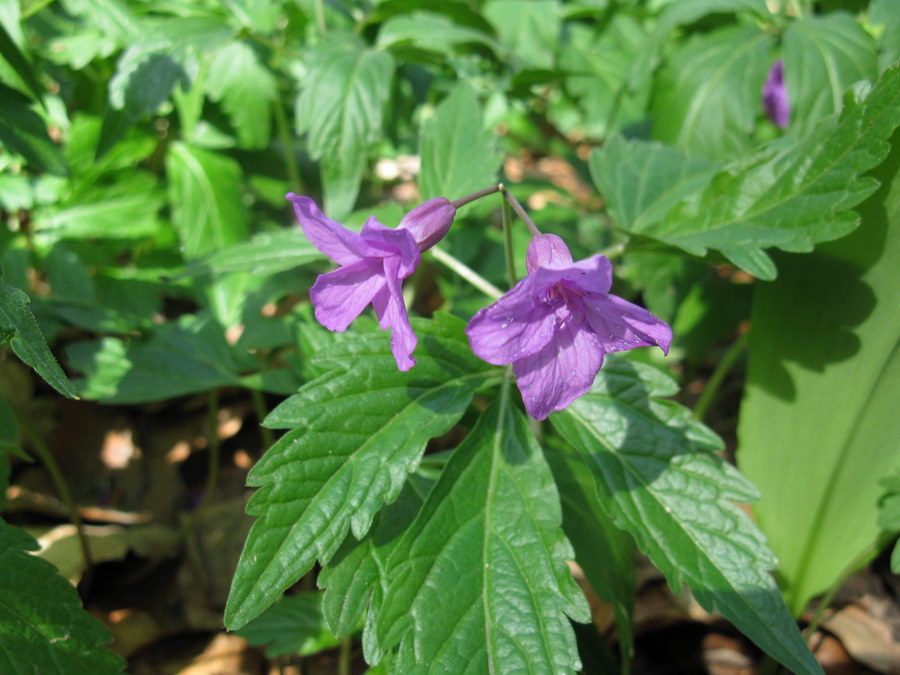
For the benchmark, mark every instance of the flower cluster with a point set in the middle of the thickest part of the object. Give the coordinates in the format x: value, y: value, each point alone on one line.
x: 555, y: 326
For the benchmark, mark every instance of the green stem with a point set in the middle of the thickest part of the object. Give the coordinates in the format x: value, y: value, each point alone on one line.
x: 508, y: 244
x: 62, y: 487
x: 462, y: 201
x: 287, y: 148
x: 715, y: 381
x: 517, y: 207
x: 259, y: 404
x: 320, y: 17
x: 345, y: 658
x: 212, y: 433
x: 466, y: 273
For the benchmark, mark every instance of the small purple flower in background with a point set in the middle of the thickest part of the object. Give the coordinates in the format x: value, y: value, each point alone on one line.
x: 556, y: 325
x: 373, y: 263
x: 775, y: 96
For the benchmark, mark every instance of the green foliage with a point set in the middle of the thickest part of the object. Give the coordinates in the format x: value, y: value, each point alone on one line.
x: 819, y: 338
x: 356, y: 432
x: 294, y: 625
x: 656, y: 471
x: 485, y: 544
x: 42, y: 625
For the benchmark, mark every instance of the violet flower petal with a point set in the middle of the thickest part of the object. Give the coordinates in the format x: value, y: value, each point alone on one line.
x: 391, y: 312
x: 775, y: 96
x: 561, y: 372
x: 545, y: 251
x: 392, y: 242
x: 429, y: 222
x: 620, y: 325
x: 334, y: 240
x: 342, y: 294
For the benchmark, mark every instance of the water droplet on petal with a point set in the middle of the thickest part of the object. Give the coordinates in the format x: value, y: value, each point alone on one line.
x: 504, y: 325
x: 610, y: 336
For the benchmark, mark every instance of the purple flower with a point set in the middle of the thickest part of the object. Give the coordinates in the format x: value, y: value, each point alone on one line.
x: 373, y: 263
x: 775, y: 96
x: 556, y: 325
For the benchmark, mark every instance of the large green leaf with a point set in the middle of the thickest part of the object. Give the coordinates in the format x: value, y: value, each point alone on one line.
x: 20, y: 64
x: 660, y: 480
x: 642, y: 181
x: 294, y: 625
x: 430, y: 31
x: 43, y: 628
x: 341, y: 105
x: 23, y: 131
x: 458, y: 154
x: 791, y: 194
x: 265, y: 254
x: 708, y: 95
x: 605, y: 553
x: 183, y: 357
x: 205, y: 189
x: 823, y: 56
x: 479, y: 582
x: 356, y: 432
x: 18, y: 325
x: 529, y: 29
x: 818, y: 423
x: 246, y: 90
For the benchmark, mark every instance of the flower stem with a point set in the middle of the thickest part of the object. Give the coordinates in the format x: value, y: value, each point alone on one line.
x: 287, y: 148
x: 462, y: 201
x: 715, y: 381
x: 517, y: 207
x: 508, y: 245
x: 466, y: 273
x: 65, y: 494
x: 259, y: 404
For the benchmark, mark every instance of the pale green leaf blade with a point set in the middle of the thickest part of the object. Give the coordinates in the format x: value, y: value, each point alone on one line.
x: 246, y: 90
x: 823, y: 56
x: 205, y: 190
x: 708, y: 96
x: 20, y: 64
x: 528, y: 28
x: 430, y: 31
x: 341, y: 106
x: 479, y: 582
x: 43, y: 628
x: 18, y: 325
x: 357, y: 432
x: 459, y: 155
x: 265, y: 254
x: 642, y: 181
x: 294, y: 625
x: 818, y: 422
x: 791, y: 195
x: 657, y: 473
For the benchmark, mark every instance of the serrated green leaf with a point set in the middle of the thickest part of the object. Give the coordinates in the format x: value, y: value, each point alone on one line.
x: 14, y: 56
x: 355, y: 579
x: 43, y: 627
x: 529, y: 29
x: 265, y: 254
x: 432, y: 32
x: 642, y: 181
x: 823, y: 56
x: 458, y: 154
x: 790, y: 194
x: 184, y: 357
x: 824, y: 350
x: 27, y: 342
x: 605, y: 553
x: 708, y: 96
x: 294, y: 625
x: 246, y: 90
x: 23, y: 131
x: 479, y: 582
x: 356, y: 434
x: 657, y: 473
x: 205, y: 190
x: 341, y: 105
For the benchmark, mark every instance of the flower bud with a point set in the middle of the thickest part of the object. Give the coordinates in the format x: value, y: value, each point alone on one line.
x: 775, y: 96
x: 428, y: 223
x: 547, y: 250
